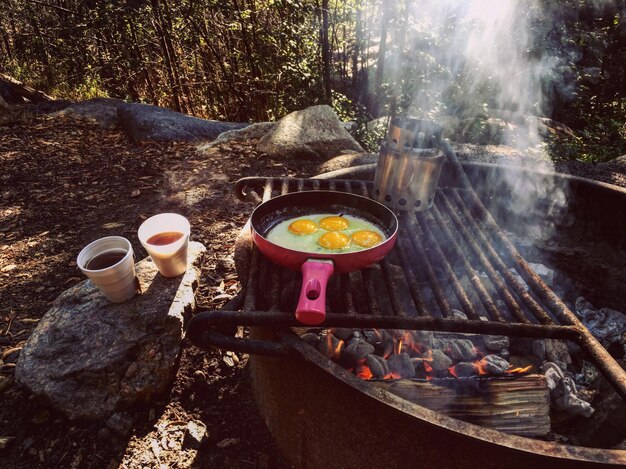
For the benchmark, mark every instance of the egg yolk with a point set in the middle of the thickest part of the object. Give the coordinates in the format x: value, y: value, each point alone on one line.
x: 334, y: 240
x: 366, y: 238
x: 303, y: 227
x: 334, y: 223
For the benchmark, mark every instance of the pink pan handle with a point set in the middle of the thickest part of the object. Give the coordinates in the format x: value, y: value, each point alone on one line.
x: 311, y: 308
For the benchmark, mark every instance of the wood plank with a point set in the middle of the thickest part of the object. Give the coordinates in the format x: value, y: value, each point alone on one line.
x: 518, y: 406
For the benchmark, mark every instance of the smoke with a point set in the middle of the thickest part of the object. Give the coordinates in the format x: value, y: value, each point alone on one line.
x: 485, y: 71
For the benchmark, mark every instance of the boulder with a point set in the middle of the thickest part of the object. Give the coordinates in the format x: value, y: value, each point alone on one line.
x: 251, y: 132
x: 347, y: 160
x: 103, y: 111
x: 313, y: 133
x: 617, y: 164
x: 144, y: 122
x: 89, y: 358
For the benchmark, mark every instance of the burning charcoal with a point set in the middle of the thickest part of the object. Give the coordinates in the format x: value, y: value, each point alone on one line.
x: 378, y: 366
x: 607, y: 325
x: 343, y: 333
x: 461, y: 349
x: 424, y: 338
x: 400, y: 365
x: 464, y: 370
x: 357, y: 351
x: 440, y: 361
x: 329, y: 345
x: 438, y: 344
x: 494, y: 365
x: 385, y: 346
x: 504, y: 353
x: 357, y: 334
x: 494, y: 343
x: 310, y: 338
x: 373, y: 336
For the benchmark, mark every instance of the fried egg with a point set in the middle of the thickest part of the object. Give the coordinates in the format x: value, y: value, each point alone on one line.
x: 326, y: 233
x: 366, y: 238
x: 303, y: 227
x: 334, y: 240
x: 334, y: 223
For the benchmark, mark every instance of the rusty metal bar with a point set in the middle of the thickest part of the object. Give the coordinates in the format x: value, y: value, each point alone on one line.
x: 502, y: 290
x: 364, y: 190
x: 519, y: 289
x: 267, y: 190
x: 409, y: 275
x: 360, y: 321
x: 487, y: 301
x: 346, y: 288
x: 274, y: 288
x: 370, y: 291
x: 392, y: 288
x: 251, y: 288
x: 603, y: 360
x: 284, y: 187
x: 461, y: 294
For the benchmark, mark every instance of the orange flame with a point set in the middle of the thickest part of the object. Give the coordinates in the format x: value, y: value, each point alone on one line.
x: 520, y: 370
x: 364, y: 372
x: 399, y: 349
x: 480, y: 367
x: 452, y: 371
x: 337, y: 351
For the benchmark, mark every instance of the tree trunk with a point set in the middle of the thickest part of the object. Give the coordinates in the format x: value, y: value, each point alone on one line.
x: 380, y: 62
x: 158, y: 25
x: 326, y: 55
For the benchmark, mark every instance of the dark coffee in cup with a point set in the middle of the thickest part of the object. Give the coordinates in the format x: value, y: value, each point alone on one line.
x: 106, y: 259
x: 162, y: 239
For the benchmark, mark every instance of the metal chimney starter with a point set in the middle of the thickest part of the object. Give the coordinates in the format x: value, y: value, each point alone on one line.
x: 409, y: 164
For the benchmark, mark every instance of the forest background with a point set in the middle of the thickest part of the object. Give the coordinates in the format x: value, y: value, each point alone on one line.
x: 256, y: 60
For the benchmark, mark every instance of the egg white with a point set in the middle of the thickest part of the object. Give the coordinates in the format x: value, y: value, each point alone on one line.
x: 281, y: 235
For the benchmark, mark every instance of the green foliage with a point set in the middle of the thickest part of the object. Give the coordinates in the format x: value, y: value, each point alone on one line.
x: 256, y: 60
x: 602, y: 139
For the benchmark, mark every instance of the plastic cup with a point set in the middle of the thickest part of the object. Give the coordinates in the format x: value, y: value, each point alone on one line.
x: 116, y: 281
x: 154, y: 233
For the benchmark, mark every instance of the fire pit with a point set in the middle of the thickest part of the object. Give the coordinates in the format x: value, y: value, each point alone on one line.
x: 321, y: 414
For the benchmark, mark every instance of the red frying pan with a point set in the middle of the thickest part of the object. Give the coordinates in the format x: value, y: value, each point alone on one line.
x: 318, y: 267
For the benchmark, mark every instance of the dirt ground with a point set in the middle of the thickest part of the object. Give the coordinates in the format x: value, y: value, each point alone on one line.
x: 64, y: 183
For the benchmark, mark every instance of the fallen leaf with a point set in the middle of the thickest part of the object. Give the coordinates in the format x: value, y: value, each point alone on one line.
x: 135, y: 193
x: 71, y: 279
x: 110, y: 226
x: 223, y: 296
x: 8, y: 268
x: 226, y: 442
x: 5, y: 440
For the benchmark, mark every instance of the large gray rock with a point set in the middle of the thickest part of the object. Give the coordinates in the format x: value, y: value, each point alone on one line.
x: 347, y: 160
x: 103, y: 111
x: 90, y: 358
x: 251, y: 132
x: 314, y: 133
x: 144, y: 122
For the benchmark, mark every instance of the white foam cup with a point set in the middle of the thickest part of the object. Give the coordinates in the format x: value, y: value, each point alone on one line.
x: 170, y: 259
x: 117, y: 281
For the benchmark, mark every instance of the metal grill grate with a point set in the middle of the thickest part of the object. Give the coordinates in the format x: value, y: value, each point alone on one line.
x: 454, y: 257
